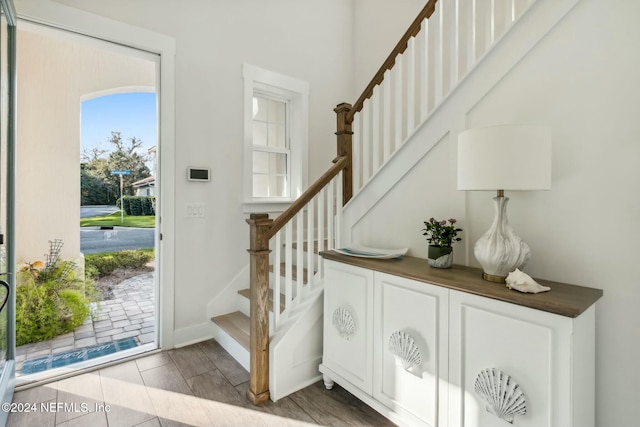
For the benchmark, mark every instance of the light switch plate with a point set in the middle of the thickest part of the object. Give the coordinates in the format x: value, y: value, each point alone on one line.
x: 195, y: 210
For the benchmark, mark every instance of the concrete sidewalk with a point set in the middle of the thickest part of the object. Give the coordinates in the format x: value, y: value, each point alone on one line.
x: 130, y: 313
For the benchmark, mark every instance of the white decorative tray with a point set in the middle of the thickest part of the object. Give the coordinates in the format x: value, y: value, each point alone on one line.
x: 365, y: 252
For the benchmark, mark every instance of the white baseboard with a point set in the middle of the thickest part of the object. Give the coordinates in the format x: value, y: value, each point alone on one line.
x: 193, y: 334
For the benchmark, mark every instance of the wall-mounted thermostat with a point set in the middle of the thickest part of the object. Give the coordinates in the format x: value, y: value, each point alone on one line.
x: 198, y: 174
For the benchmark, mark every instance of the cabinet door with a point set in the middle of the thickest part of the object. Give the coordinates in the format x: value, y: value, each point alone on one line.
x: 410, y: 338
x: 491, y: 342
x: 348, y: 317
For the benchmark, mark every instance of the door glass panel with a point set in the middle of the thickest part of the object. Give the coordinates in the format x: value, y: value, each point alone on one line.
x: 79, y: 160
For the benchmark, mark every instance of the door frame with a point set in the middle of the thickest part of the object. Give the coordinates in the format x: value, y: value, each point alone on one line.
x: 66, y: 18
x: 7, y: 378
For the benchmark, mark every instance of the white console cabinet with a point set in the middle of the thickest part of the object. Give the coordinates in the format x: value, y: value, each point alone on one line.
x: 444, y: 348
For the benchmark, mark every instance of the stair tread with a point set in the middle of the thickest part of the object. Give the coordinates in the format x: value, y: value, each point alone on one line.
x: 237, y: 325
x: 247, y: 294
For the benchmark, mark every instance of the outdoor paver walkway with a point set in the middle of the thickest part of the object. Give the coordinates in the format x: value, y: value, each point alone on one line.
x: 130, y: 313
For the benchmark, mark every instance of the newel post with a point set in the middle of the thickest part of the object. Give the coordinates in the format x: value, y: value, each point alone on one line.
x: 344, y: 135
x: 259, y: 341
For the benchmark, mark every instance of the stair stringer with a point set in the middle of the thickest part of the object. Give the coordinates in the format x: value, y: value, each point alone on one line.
x: 449, y: 117
x: 295, y: 351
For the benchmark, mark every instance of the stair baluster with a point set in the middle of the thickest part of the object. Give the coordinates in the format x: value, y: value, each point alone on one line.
x: 310, y: 244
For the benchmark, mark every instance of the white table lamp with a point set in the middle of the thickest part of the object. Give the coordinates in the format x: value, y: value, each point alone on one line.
x: 499, y: 158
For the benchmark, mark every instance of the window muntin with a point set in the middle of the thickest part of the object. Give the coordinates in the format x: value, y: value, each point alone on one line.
x: 271, y: 148
x: 269, y: 121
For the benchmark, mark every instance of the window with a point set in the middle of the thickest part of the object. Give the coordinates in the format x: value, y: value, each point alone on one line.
x: 275, y: 118
x: 271, y: 147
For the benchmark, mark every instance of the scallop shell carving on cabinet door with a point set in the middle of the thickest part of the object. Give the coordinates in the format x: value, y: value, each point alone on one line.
x: 344, y: 323
x: 503, y: 395
x: 404, y: 348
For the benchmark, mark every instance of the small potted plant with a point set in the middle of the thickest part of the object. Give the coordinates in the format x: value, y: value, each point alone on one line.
x: 441, y: 236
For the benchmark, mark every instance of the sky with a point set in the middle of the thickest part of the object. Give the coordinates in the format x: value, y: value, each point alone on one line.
x: 131, y: 114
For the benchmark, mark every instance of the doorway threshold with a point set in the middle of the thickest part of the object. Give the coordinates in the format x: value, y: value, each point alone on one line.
x: 81, y: 367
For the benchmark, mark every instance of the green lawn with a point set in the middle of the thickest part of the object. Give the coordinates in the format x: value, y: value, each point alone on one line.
x: 114, y: 219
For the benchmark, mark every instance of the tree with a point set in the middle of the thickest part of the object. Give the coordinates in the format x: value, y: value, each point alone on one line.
x: 94, y: 189
x: 126, y: 157
x: 98, y: 185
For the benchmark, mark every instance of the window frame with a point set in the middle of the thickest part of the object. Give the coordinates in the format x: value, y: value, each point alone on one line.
x: 296, y: 93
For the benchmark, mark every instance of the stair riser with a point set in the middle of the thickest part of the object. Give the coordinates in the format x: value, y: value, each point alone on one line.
x: 237, y: 351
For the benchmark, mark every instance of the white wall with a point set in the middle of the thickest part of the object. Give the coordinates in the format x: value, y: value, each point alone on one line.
x: 581, y: 79
x: 307, y: 40
x: 55, y: 74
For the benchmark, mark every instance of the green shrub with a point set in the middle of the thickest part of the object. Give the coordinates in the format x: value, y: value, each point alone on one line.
x: 91, y: 271
x: 51, y: 299
x: 137, y: 205
x: 75, y: 306
x: 43, y: 311
x: 36, y: 314
x: 149, y: 205
x: 103, y: 264
x: 132, y: 258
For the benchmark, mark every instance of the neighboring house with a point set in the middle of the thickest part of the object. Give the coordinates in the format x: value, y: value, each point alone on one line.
x: 145, y: 187
x: 580, y: 79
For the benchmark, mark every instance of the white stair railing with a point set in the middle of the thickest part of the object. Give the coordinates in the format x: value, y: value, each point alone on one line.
x: 450, y: 41
x: 316, y: 226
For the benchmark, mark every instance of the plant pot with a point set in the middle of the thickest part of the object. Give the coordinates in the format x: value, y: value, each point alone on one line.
x: 440, y: 256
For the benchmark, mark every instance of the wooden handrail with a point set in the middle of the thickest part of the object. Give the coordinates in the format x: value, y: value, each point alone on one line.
x: 414, y: 29
x: 310, y: 193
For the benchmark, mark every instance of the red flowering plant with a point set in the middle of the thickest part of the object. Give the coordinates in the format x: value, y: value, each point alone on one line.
x: 439, y: 233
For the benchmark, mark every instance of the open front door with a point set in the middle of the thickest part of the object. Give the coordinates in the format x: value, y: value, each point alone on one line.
x: 7, y: 193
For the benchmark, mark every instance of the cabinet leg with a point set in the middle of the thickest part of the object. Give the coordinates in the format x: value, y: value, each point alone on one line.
x: 328, y: 382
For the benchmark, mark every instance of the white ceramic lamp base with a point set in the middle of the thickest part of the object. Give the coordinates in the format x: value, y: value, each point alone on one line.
x: 499, y: 251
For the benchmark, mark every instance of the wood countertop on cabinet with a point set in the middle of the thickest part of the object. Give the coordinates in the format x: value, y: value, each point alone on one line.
x: 563, y: 299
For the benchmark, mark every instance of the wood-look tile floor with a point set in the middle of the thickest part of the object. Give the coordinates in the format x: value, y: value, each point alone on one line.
x: 198, y: 385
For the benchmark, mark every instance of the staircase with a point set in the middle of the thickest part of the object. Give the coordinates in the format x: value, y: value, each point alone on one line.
x: 233, y: 329
x: 441, y: 49
x: 285, y: 267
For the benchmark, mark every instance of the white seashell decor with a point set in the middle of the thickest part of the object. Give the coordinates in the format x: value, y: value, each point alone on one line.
x: 524, y: 283
x: 503, y: 395
x: 404, y: 348
x: 344, y: 323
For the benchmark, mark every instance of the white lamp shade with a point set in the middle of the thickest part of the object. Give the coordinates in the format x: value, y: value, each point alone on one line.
x: 506, y: 157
